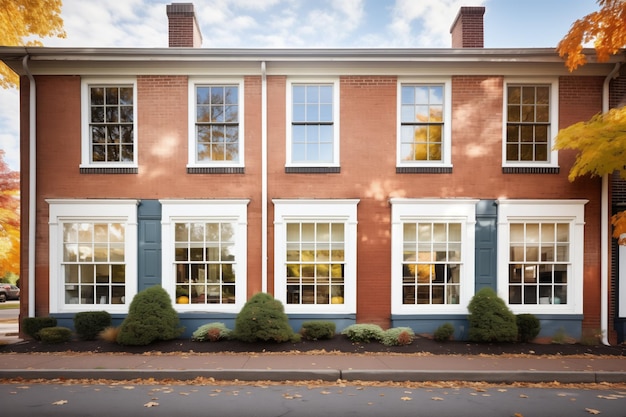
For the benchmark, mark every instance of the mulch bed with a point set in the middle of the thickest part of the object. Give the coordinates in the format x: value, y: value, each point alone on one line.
x: 339, y: 343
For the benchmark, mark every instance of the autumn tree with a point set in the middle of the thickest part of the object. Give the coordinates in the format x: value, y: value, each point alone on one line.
x: 9, y: 219
x: 22, y: 22
x: 601, y: 141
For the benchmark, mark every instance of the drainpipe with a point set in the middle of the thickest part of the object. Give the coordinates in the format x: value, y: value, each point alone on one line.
x: 32, y: 183
x: 604, y: 227
x: 263, y: 177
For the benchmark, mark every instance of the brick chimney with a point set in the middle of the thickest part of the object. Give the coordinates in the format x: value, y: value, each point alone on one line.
x: 183, y: 27
x: 467, y: 29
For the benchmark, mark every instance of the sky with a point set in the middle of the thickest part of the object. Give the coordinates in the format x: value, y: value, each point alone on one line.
x: 300, y: 24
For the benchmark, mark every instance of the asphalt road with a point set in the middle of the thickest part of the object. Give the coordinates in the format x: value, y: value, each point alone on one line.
x: 10, y: 313
x: 259, y: 400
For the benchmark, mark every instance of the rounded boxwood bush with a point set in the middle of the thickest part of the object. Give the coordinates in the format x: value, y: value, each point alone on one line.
x: 318, y: 330
x: 151, y: 317
x: 89, y: 324
x: 55, y: 334
x: 32, y: 325
x: 211, y: 332
x: 444, y: 332
x: 490, y: 320
x: 363, y: 332
x: 528, y: 327
x: 263, y: 318
x: 397, y: 336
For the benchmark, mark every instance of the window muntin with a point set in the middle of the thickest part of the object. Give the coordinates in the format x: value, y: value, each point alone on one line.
x: 109, y: 117
x: 94, y: 267
x: 93, y: 253
x: 541, y: 255
x: 431, y: 264
x: 313, y: 123
x: 205, y: 262
x: 539, y: 262
x: 315, y: 254
x: 432, y: 255
x: 528, y: 123
x: 217, y: 123
x: 422, y: 121
x: 204, y: 253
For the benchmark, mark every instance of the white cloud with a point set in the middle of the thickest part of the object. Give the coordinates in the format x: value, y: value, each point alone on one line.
x: 425, y: 24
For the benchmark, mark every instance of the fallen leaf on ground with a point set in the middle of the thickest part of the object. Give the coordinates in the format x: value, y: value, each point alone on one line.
x: 60, y: 402
x: 437, y: 399
x: 151, y: 404
x: 592, y: 411
x: 406, y: 398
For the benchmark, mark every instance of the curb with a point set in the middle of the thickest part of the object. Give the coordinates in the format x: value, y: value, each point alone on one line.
x: 277, y: 375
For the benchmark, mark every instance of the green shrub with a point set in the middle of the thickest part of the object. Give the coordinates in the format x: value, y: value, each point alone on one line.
x: 528, y: 327
x: 151, y: 317
x: 32, y: 325
x: 398, y: 336
x: 211, y: 332
x: 444, y: 332
x: 318, y: 329
x: 263, y: 318
x: 364, y: 333
x: 490, y: 320
x: 55, y: 334
x: 88, y: 324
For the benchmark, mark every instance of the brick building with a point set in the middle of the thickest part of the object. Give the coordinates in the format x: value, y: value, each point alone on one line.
x: 355, y: 185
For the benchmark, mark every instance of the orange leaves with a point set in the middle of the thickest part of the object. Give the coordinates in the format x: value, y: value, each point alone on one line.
x: 23, y: 20
x: 605, y: 28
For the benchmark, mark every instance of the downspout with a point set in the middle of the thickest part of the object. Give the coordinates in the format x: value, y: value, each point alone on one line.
x: 604, y: 227
x: 263, y: 177
x: 32, y: 183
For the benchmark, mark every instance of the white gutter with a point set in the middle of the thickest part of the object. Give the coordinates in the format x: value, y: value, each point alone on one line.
x: 604, y: 227
x: 263, y: 177
x: 32, y: 183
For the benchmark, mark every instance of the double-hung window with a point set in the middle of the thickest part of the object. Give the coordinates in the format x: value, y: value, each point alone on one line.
x: 424, y: 127
x: 530, y: 124
x: 541, y: 247
x: 204, y: 253
x: 313, y: 130
x: 432, y: 255
x: 109, y: 134
x: 93, y: 246
x: 315, y: 255
x: 215, y: 126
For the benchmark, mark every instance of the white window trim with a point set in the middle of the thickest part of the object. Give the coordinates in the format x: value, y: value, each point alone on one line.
x: 192, y: 161
x: 571, y: 211
x: 235, y: 210
x: 446, y: 210
x: 66, y: 210
x: 553, y: 158
x: 336, y: 113
x: 85, y: 154
x: 316, y: 210
x: 446, y: 150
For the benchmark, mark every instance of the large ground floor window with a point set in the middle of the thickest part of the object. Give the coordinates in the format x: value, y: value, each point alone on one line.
x: 315, y: 255
x: 540, y: 265
x: 204, y: 253
x: 432, y: 253
x: 92, y: 254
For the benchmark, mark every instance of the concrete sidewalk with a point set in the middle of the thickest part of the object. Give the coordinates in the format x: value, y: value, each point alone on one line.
x: 326, y: 367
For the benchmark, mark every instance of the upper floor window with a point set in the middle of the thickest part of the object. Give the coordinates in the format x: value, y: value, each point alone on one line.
x: 313, y: 131
x: 204, y: 253
x: 109, y: 131
x: 424, y: 128
x: 541, y: 243
x: 432, y: 250
x: 93, y: 256
x: 531, y: 123
x: 215, y: 124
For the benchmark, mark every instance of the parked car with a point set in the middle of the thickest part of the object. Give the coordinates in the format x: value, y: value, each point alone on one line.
x: 9, y: 292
